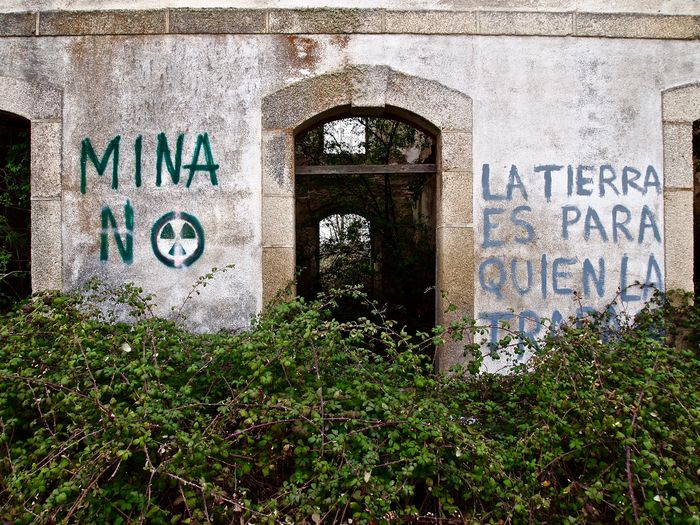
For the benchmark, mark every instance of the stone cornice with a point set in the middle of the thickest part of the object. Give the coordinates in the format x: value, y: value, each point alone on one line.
x: 349, y: 21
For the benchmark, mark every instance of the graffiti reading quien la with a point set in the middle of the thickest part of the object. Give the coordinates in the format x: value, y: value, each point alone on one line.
x: 597, y: 206
x: 177, y: 238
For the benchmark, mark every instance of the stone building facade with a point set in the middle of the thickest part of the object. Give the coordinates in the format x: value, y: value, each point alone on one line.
x: 162, y: 140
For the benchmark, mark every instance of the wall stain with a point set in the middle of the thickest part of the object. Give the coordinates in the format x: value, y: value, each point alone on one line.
x: 302, y: 52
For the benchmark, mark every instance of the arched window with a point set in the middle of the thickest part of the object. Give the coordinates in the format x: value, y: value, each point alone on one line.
x: 365, y: 213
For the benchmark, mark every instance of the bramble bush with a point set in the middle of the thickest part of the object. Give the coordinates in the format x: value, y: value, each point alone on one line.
x: 305, y: 419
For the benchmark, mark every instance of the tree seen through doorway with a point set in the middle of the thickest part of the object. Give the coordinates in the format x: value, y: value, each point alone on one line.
x: 365, y: 201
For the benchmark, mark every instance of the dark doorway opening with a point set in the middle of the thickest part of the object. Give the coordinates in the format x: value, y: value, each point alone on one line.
x: 15, y: 276
x: 365, y: 189
x: 696, y: 205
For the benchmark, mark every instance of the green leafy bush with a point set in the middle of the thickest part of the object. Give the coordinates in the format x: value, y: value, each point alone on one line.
x: 306, y: 419
x: 14, y: 220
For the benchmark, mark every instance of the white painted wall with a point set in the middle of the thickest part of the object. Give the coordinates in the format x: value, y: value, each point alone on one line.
x: 536, y: 101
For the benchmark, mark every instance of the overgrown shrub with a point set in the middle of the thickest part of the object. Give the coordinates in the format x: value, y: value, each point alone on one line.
x: 14, y: 220
x: 303, y: 419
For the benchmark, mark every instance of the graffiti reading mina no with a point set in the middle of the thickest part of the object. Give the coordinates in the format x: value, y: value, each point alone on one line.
x: 172, y: 161
x: 177, y: 238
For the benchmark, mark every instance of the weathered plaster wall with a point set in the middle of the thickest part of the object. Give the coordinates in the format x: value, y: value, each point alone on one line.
x: 537, y: 101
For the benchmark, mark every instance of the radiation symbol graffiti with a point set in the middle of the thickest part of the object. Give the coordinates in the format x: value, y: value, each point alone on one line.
x: 177, y: 239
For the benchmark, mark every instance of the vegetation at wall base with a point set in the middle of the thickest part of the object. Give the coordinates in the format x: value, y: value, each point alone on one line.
x: 304, y: 419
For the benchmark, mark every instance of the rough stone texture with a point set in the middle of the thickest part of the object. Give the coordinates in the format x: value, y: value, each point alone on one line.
x: 678, y: 155
x: 455, y: 270
x: 213, y: 19
x: 525, y: 23
x: 46, y: 159
x: 278, y: 163
x: 102, y: 23
x: 456, y: 265
x: 451, y: 110
x: 278, y: 221
x: 431, y: 22
x: 455, y: 207
x: 678, y: 220
x: 29, y: 99
x: 456, y: 151
x: 637, y: 26
x: 312, y: 97
x: 682, y: 104
x: 369, y: 86
x: 217, y: 21
x: 47, y: 252
x: 312, y: 21
x: 17, y: 24
x: 278, y: 266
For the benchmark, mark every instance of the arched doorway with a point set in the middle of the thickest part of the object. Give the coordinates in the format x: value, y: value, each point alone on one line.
x: 374, y: 91
x: 15, y: 213
x: 365, y: 191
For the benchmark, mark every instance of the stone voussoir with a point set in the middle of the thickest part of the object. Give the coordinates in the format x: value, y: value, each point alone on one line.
x: 313, y: 96
x: 451, y: 111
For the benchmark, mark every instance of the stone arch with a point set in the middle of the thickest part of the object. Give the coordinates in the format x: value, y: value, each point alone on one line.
x: 42, y: 105
x: 373, y: 90
x: 680, y: 108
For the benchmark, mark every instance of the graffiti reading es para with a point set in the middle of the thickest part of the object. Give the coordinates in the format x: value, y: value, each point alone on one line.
x: 177, y: 238
x: 602, y: 205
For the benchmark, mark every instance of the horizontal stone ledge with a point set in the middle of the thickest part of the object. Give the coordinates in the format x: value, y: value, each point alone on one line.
x: 365, y: 169
x: 217, y: 21
x: 120, y: 22
x: 676, y: 189
x: 349, y: 21
x: 17, y: 24
x: 677, y: 27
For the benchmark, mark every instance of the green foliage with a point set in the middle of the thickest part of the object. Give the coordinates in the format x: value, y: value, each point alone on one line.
x: 303, y: 419
x: 14, y: 221
x: 364, y: 140
x: 345, y: 252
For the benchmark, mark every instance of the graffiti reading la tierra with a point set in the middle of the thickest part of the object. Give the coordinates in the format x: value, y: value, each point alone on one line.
x: 601, y: 205
x: 177, y: 238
